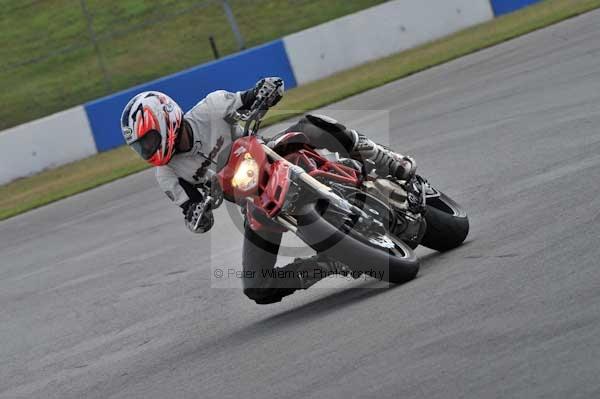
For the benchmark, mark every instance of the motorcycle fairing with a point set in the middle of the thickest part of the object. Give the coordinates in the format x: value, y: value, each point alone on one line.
x: 274, y: 192
x: 239, y: 148
x: 271, y: 199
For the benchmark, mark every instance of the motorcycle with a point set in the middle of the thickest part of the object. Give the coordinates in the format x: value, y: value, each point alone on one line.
x: 337, y: 206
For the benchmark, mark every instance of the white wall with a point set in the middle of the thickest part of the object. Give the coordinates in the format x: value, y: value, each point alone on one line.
x: 44, y: 143
x: 377, y: 32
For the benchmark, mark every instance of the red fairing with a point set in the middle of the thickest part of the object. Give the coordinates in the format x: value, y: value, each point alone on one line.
x: 273, y: 183
x: 240, y: 147
x: 274, y: 192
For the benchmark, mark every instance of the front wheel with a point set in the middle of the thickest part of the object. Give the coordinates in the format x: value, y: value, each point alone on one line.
x: 369, y: 251
x: 447, y: 224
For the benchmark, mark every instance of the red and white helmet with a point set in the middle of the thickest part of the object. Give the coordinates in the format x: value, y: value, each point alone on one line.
x: 150, y: 124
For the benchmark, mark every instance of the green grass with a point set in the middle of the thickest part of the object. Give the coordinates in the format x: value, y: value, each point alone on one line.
x: 138, y: 40
x: 28, y: 193
x: 24, y: 194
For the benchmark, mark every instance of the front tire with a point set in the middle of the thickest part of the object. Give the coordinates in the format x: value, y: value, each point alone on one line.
x: 394, y: 261
x: 447, y: 224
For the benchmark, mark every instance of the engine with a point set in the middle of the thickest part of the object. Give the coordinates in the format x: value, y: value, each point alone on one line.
x: 410, y: 226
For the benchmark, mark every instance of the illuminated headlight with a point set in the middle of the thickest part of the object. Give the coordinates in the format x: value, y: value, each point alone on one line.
x: 246, y: 175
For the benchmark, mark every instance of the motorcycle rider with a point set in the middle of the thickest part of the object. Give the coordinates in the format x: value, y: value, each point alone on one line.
x: 183, y: 147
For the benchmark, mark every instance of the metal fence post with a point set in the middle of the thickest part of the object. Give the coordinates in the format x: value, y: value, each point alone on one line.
x: 234, y: 26
x: 213, y: 45
x: 94, y: 41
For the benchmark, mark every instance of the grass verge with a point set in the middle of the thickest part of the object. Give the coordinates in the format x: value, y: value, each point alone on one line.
x: 43, y: 188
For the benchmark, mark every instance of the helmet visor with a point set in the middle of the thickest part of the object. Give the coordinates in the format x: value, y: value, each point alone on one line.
x: 148, y: 144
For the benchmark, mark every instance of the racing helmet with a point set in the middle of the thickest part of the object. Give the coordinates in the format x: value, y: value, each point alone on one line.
x: 150, y: 124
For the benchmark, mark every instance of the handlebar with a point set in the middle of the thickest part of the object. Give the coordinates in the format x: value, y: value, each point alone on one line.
x: 258, y: 110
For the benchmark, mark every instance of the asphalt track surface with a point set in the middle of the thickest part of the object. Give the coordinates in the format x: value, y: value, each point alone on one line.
x: 106, y: 295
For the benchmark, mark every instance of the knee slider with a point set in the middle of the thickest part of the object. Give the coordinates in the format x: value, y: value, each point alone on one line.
x: 262, y: 296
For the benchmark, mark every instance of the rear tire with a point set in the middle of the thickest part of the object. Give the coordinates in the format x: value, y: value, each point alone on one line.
x: 447, y: 224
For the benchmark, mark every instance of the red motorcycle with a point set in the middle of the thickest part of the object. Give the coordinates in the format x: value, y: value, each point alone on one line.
x: 337, y: 206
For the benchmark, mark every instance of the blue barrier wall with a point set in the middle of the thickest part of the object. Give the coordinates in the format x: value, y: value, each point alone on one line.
x: 233, y: 73
x: 505, y: 6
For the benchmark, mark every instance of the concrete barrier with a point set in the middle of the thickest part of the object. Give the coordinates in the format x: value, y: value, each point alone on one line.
x: 45, y: 143
x: 233, y: 73
x: 378, y: 32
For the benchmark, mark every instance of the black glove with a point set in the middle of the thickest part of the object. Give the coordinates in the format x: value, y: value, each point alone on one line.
x: 271, y: 88
x: 198, y: 216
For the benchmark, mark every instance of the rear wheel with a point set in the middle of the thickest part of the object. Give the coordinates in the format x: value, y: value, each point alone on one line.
x: 447, y: 224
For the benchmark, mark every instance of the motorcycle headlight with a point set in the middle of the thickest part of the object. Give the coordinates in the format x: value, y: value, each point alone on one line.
x: 246, y: 175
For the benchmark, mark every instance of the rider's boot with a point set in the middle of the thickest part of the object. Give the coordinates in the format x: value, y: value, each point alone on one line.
x: 385, y: 161
x: 317, y: 267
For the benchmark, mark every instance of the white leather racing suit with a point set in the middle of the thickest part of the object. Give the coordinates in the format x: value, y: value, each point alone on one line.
x: 213, y: 127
